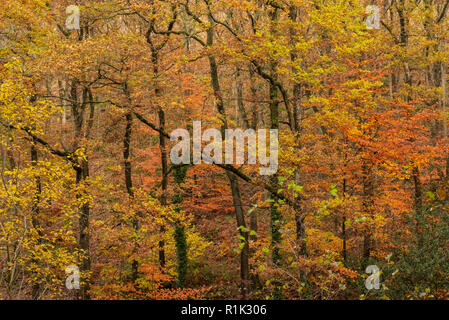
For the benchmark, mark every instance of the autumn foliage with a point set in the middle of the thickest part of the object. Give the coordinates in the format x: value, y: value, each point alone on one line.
x: 86, y: 176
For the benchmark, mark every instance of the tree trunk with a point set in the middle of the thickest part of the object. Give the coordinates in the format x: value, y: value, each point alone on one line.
x: 129, y: 187
x: 164, y: 181
x: 368, y: 203
x: 244, y: 255
x: 82, y: 174
x: 35, y: 218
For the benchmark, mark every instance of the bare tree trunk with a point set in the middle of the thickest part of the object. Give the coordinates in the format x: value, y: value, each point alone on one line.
x: 164, y: 182
x: 343, y: 228
x: 129, y: 187
x: 235, y: 189
x: 82, y: 174
x: 368, y: 203
x: 274, y: 120
x: 444, y: 110
x: 295, y: 125
x: 35, y: 209
x: 162, y: 140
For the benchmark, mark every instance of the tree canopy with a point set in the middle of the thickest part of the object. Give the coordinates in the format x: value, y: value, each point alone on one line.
x: 356, y: 92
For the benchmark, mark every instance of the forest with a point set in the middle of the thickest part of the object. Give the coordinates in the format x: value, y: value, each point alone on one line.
x: 118, y: 125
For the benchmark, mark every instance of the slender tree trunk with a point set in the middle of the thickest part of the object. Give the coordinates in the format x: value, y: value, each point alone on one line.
x: 164, y: 181
x: 162, y: 146
x: 343, y: 227
x: 35, y: 218
x: 274, y: 120
x: 82, y: 174
x: 295, y: 126
x: 368, y: 203
x: 129, y: 187
x: 444, y: 110
x: 235, y: 189
x: 179, y: 233
x: 274, y: 212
